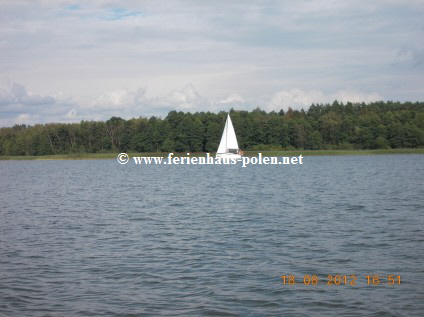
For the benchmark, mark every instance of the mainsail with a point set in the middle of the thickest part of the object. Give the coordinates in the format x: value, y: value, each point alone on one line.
x: 228, y: 139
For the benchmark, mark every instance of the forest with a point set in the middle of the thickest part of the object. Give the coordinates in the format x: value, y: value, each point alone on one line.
x: 376, y: 125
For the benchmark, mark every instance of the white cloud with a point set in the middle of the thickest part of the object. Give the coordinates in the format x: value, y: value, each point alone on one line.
x: 134, y: 103
x: 23, y: 118
x: 294, y: 98
x: 315, y: 45
x: 6, y: 96
x: 17, y: 94
x: 355, y: 96
x: 120, y: 99
x: 240, y: 55
x: 18, y: 106
x: 185, y: 99
x: 72, y: 114
x: 297, y: 98
x: 233, y: 99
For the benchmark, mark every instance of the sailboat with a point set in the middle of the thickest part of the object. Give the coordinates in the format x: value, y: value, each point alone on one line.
x: 228, y: 147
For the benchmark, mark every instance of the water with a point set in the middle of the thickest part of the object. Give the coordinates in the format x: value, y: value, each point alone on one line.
x: 96, y: 238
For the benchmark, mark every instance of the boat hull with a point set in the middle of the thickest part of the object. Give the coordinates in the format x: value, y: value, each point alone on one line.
x: 228, y: 156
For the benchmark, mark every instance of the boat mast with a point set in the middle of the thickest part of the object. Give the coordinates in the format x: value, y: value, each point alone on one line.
x: 226, y: 133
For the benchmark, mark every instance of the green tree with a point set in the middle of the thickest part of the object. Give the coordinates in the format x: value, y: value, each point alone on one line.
x: 115, y: 128
x: 315, y: 140
x: 330, y: 124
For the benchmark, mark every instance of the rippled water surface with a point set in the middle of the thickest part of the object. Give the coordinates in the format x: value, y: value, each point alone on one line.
x: 96, y: 238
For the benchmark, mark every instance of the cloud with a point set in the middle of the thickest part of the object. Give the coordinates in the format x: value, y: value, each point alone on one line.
x: 72, y: 114
x: 233, y: 99
x: 26, y: 118
x: 119, y: 99
x: 120, y: 13
x: 6, y: 97
x: 134, y: 103
x: 409, y: 57
x: 297, y: 98
x: 17, y: 94
x: 189, y: 99
x: 184, y: 99
x: 355, y: 96
x: 18, y: 106
x: 89, y: 49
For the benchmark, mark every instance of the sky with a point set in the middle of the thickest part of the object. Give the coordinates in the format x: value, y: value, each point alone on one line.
x: 67, y: 61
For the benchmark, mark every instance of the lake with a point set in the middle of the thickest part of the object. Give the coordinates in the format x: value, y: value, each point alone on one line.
x: 96, y: 238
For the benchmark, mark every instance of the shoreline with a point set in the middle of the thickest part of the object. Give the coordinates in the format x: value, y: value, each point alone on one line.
x: 106, y: 156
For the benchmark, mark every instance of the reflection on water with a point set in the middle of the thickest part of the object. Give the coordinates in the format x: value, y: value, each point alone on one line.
x: 81, y: 238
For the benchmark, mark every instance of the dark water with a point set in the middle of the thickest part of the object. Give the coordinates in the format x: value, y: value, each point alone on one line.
x: 96, y: 238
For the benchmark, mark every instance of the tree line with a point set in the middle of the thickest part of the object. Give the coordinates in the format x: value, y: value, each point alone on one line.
x: 377, y: 125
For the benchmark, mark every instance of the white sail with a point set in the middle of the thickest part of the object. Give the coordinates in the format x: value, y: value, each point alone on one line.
x: 228, y: 139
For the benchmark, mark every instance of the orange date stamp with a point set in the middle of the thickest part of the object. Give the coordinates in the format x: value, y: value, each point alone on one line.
x: 341, y: 279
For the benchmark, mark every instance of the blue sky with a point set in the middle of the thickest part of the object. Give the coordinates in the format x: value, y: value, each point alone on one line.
x: 66, y: 61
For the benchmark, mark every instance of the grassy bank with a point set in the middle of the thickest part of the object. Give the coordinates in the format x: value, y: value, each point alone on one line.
x: 90, y: 156
x: 103, y: 156
x: 337, y: 152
